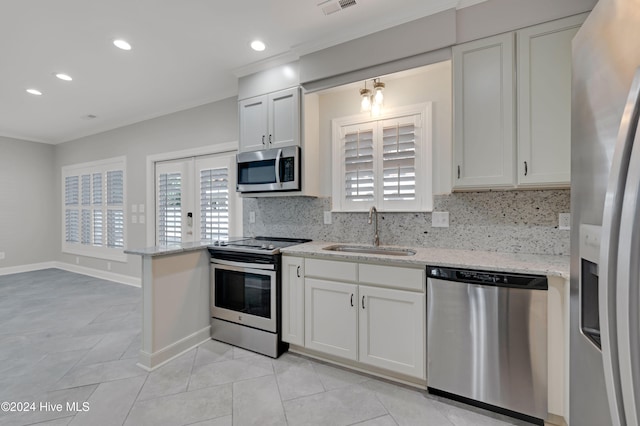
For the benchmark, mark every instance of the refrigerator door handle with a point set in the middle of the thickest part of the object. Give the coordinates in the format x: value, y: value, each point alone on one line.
x: 628, y: 293
x: 609, y: 252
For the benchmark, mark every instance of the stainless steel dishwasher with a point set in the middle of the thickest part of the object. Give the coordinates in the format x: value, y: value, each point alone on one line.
x: 487, y: 340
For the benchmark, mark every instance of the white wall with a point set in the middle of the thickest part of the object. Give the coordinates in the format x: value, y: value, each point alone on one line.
x: 28, y: 225
x: 202, y: 126
x: 433, y: 84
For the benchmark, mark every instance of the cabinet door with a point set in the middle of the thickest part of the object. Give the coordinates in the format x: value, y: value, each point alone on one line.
x: 331, y: 315
x: 293, y: 300
x: 284, y: 118
x: 253, y: 123
x: 484, y: 115
x: 544, y: 102
x: 392, y: 330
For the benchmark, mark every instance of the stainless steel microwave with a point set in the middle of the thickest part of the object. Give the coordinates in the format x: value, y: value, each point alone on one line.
x: 269, y: 170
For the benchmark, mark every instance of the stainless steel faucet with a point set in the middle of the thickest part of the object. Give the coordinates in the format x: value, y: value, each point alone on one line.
x: 372, y: 211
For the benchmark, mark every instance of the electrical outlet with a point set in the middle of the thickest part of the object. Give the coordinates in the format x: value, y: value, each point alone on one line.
x: 252, y: 217
x: 108, y: 266
x: 564, y: 221
x: 134, y: 208
x: 140, y: 208
x: 141, y: 218
x: 440, y: 219
x: 1, y: 255
x: 327, y: 218
x: 77, y: 260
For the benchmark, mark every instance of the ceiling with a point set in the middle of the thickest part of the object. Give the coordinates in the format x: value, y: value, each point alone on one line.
x: 185, y: 53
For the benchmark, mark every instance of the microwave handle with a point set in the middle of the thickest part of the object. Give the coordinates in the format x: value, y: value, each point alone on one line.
x: 278, y: 165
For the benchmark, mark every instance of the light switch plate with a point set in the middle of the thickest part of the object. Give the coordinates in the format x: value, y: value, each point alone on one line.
x: 141, y: 208
x: 141, y: 218
x: 252, y: 217
x: 440, y: 219
x: 1, y: 255
x: 134, y: 218
x: 564, y: 221
x: 327, y: 218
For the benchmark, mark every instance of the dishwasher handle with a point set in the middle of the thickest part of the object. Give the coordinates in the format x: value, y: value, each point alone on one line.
x: 489, y: 278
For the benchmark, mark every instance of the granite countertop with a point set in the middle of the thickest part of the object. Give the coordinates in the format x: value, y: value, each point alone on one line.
x: 505, y: 262
x: 164, y: 250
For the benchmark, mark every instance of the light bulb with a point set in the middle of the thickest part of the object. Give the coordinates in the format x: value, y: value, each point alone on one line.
x: 365, y: 103
x: 379, y: 97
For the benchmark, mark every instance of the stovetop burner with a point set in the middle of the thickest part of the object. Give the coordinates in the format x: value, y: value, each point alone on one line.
x: 266, y: 245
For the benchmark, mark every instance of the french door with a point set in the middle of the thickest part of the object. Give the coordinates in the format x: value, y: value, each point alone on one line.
x: 196, y: 199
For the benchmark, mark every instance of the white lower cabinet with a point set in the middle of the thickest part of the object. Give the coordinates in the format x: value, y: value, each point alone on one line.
x: 374, y: 314
x: 293, y: 300
x: 331, y: 317
x: 391, y: 330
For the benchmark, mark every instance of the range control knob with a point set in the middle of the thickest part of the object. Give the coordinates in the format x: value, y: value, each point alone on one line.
x: 263, y: 246
x: 271, y: 247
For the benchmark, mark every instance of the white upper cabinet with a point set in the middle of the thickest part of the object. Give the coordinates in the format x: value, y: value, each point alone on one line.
x: 508, y: 138
x: 484, y: 114
x: 544, y: 102
x: 270, y: 121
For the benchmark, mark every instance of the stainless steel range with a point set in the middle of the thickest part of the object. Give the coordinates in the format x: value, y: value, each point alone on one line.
x: 246, y: 293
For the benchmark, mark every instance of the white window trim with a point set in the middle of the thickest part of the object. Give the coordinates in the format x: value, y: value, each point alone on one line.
x: 107, y: 253
x: 424, y: 164
x: 220, y: 148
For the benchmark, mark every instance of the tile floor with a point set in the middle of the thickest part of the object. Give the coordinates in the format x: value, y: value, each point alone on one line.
x: 67, y: 338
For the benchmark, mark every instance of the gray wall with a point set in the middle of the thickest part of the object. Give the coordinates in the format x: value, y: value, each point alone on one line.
x: 193, y: 128
x: 29, y: 221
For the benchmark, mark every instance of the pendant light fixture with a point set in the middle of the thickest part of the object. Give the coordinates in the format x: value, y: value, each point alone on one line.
x: 372, y: 102
x: 365, y: 99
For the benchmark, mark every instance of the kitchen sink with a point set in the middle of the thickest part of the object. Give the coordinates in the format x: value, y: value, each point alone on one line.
x: 393, y: 251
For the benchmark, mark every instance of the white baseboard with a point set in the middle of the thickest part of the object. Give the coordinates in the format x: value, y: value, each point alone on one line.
x: 96, y: 273
x: 150, y: 362
x: 27, y: 268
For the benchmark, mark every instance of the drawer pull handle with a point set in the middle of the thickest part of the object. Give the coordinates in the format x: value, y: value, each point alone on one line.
x: 458, y: 171
x: 298, y: 271
x: 262, y: 139
x: 362, y: 302
x: 526, y: 168
x: 352, y: 300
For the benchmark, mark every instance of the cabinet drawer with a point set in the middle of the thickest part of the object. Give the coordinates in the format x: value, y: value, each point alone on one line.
x: 330, y: 269
x: 392, y: 276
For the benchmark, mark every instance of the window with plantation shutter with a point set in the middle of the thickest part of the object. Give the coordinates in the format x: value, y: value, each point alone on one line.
x: 214, y: 204
x: 170, y: 208
x: 358, y: 163
x: 384, y: 162
x: 94, y: 209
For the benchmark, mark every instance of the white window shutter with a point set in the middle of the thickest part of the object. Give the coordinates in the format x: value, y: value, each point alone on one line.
x: 169, y: 208
x: 214, y: 204
x: 359, y: 167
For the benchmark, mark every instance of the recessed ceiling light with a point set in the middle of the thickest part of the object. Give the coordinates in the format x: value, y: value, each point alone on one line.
x: 121, y: 44
x: 258, y: 46
x: 34, y: 92
x: 65, y: 77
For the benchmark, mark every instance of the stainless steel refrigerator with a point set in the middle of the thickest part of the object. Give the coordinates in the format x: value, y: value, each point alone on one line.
x: 605, y: 208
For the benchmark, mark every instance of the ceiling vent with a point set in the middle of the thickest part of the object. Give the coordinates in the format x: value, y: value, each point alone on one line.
x: 335, y: 6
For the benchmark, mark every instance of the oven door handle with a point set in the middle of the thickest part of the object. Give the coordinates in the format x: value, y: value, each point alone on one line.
x: 266, y: 267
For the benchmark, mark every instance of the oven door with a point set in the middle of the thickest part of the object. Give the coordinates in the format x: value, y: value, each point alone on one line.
x: 244, y: 294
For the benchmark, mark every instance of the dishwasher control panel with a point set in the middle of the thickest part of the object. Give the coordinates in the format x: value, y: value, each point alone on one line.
x: 501, y: 279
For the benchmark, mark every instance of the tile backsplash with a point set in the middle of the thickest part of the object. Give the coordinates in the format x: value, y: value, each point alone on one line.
x: 503, y: 221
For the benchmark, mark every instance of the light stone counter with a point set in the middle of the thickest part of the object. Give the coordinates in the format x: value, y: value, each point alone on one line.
x: 168, y: 249
x: 175, y: 301
x: 548, y: 265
